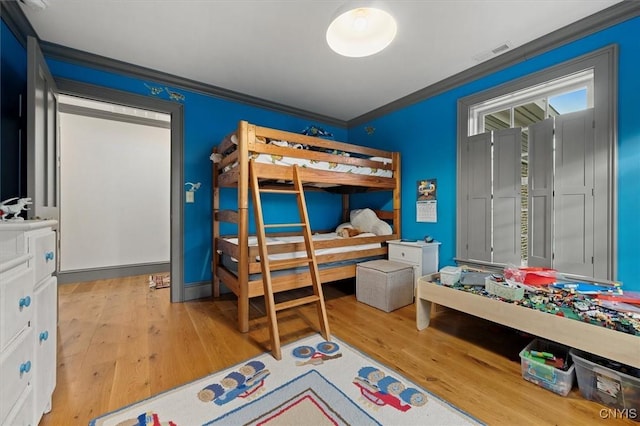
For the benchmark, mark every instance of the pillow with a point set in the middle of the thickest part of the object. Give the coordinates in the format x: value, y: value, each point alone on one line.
x: 366, y: 221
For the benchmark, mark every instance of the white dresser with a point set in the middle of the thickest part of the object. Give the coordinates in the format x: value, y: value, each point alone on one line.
x: 28, y: 316
x: 423, y: 256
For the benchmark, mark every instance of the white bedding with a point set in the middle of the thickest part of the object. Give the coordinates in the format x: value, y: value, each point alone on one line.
x: 323, y: 165
x: 253, y: 241
x: 312, y: 164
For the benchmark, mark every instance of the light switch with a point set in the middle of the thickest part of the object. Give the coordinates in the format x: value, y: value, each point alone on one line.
x: 190, y: 197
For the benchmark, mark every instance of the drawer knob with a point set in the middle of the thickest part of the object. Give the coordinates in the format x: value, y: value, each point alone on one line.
x: 48, y: 256
x: 44, y: 335
x: 25, y: 367
x: 25, y: 302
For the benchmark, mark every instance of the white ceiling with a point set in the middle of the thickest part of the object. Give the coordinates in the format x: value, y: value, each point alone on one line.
x: 276, y: 50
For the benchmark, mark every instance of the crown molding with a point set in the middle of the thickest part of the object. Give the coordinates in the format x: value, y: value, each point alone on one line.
x: 16, y: 20
x: 615, y: 14
x: 78, y: 57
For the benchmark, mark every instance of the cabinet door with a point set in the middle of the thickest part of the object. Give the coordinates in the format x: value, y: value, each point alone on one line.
x: 45, y: 344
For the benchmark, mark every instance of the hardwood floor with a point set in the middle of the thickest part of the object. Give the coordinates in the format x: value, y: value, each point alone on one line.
x: 119, y: 342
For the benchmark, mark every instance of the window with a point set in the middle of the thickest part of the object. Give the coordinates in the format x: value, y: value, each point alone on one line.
x: 520, y: 110
x: 523, y: 107
x: 529, y: 191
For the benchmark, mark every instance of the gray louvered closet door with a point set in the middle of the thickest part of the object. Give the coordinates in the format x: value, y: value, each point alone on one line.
x: 477, y: 166
x: 540, y: 193
x: 561, y: 210
x: 507, y: 205
x: 574, y: 186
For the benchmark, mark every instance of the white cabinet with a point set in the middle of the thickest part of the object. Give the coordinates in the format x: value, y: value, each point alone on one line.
x: 423, y: 256
x: 28, y: 312
x: 46, y: 299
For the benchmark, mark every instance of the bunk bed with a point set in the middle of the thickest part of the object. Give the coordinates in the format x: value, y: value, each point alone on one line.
x: 324, y: 165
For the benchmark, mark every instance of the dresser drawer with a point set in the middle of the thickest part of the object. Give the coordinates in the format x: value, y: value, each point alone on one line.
x: 15, y: 370
x: 407, y: 254
x: 43, y: 248
x: 22, y: 413
x: 12, y: 243
x: 16, y: 303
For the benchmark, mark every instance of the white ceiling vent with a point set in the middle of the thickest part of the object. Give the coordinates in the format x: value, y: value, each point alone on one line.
x: 481, y: 57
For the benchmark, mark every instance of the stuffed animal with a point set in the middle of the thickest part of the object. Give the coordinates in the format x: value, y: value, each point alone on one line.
x: 367, y: 221
x: 348, y: 232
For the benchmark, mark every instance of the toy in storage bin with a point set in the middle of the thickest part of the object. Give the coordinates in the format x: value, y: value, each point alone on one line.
x: 502, y: 289
x: 534, y: 276
x: 535, y: 370
x: 607, y: 382
x: 450, y: 275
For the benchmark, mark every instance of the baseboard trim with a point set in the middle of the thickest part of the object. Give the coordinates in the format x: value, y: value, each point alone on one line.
x: 200, y: 290
x: 111, y: 272
x: 195, y: 291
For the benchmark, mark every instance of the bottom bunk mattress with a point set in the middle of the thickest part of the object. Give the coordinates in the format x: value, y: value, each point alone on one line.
x: 232, y: 264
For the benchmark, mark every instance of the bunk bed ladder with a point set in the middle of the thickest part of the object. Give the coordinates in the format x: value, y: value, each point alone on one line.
x: 273, y: 265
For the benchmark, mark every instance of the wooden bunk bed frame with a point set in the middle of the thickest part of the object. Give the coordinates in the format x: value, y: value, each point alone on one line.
x: 251, y: 138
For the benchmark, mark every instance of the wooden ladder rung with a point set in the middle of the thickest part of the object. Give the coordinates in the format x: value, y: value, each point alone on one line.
x: 288, y: 263
x: 283, y: 225
x: 296, y: 302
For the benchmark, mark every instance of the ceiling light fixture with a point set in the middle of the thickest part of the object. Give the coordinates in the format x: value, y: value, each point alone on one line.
x: 361, y: 31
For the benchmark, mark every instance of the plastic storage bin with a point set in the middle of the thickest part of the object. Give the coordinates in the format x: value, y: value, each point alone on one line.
x: 610, y: 383
x: 544, y: 375
x: 503, y: 290
x: 384, y: 284
x: 450, y: 275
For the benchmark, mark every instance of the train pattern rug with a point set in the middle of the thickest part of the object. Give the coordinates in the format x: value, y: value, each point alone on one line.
x: 316, y: 383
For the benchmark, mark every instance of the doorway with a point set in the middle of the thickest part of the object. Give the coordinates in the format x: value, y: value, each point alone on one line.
x: 114, y: 187
x: 174, y: 114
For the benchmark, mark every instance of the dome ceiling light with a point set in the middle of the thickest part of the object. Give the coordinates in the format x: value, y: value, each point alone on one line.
x: 361, y: 31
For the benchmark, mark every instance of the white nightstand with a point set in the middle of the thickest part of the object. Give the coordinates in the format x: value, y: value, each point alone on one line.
x: 423, y: 256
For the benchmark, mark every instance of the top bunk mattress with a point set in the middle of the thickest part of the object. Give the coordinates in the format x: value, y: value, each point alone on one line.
x: 280, y: 160
x: 288, y: 161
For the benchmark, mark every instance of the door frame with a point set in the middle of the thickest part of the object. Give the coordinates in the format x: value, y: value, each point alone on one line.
x: 176, y: 111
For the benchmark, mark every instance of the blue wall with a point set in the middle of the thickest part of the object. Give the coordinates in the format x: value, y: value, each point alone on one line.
x: 13, y: 84
x: 207, y: 120
x: 425, y: 134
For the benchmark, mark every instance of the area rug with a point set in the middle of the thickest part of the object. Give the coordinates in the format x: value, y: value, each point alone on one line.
x: 316, y: 383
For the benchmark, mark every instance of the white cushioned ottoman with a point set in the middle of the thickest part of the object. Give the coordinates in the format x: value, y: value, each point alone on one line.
x: 384, y: 284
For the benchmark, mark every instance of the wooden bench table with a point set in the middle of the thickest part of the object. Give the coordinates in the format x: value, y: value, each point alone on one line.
x: 611, y: 344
